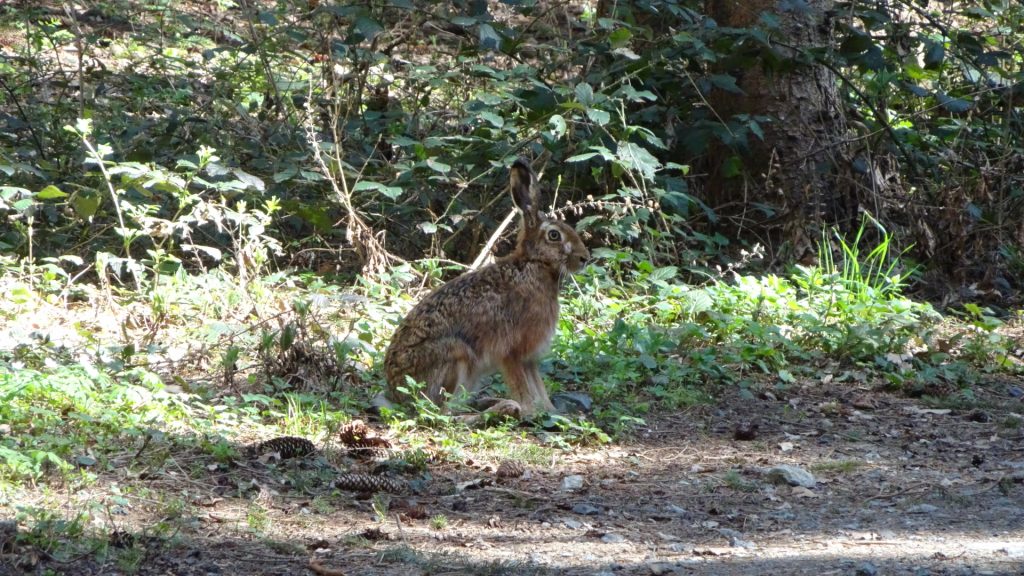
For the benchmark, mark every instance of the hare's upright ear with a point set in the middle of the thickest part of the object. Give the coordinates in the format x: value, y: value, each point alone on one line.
x: 524, y: 193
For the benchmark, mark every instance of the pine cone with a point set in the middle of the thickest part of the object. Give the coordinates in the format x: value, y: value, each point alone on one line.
x: 286, y: 446
x: 370, y: 448
x: 354, y: 432
x: 510, y: 469
x: 369, y: 483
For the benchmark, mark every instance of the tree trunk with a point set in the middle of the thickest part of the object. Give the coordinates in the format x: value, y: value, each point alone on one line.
x: 796, y: 169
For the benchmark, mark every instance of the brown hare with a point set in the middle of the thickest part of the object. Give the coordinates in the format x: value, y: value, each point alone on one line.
x: 500, y: 317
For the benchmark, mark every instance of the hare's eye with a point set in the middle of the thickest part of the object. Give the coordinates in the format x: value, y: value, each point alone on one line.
x: 554, y: 236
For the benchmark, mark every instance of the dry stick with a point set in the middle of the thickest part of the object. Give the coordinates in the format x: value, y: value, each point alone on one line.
x: 486, y: 251
x: 375, y: 258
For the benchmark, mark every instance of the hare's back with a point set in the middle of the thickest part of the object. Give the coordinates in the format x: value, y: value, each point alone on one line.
x: 497, y: 310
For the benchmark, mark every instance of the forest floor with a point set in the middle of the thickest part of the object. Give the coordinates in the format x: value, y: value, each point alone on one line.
x: 899, y: 488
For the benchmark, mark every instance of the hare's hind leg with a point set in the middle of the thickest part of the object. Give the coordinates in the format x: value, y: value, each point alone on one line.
x: 455, y: 369
x: 526, y: 387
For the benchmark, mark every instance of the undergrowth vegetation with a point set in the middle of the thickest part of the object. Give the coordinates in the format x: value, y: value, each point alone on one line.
x: 632, y: 337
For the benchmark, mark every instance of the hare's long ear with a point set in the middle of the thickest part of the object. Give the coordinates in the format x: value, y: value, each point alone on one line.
x: 524, y: 193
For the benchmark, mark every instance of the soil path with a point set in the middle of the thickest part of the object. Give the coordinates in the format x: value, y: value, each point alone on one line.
x: 899, y: 489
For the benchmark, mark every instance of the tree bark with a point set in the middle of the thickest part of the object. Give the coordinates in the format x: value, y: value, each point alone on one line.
x: 798, y: 169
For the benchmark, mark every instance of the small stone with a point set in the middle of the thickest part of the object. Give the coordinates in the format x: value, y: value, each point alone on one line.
x: 585, y: 509
x: 571, y: 402
x: 866, y: 569
x: 735, y: 538
x: 1016, y: 391
x: 677, y: 510
x: 572, y: 524
x: 681, y: 547
x: 741, y: 543
x: 612, y: 538
x: 922, y: 509
x: 573, y: 482
x: 729, y: 533
x: 782, y: 515
x: 792, y: 475
x: 660, y: 568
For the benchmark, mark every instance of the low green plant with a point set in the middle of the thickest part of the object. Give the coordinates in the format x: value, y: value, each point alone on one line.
x: 1012, y: 422
x: 734, y: 480
x: 439, y: 522
x: 381, y: 505
x: 54, y: 534
x: 257, y: 518
x: 129, y: 559
x: 837, y: 466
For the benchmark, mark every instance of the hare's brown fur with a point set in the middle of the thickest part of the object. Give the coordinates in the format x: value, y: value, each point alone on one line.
x: 500, y: 317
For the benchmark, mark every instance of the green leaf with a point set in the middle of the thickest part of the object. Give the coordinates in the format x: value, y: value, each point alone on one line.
x: 8, y: 192
x: 368, y: 28
x: 698, y: 301
x: 51, y: 192
x: 732, y: 166
x: 489, y: 38
x: 438, y: 166
x: 267, y: 17
x: 585, y: 93
x: 84, y: 126
x: 599, y: 117
x: 210, y: 251
x: 597, y: 151
x: 756, y: 129
x: 620, y: 37
x: 286, y: 174
x: 492, y: 118
x: 934, y: 55
x: 726, y: 82
x: 638, y: 159
x: 954, y: 105
x: 634, y: 95
x: 664, y: 273
x: 855, y: 44
x: 288, y: 336
x: 627, y: 53
x: 392, y: 192
x: 85, y: 205
x: 248, y: 180
x: 427, y: 227
x: 582, y: 157
x: 558, y: 126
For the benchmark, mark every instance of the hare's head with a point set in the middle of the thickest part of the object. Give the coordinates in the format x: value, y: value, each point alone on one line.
x: 543, y: 239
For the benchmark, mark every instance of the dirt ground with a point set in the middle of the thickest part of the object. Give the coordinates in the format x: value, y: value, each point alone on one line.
x: 899, y: 489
